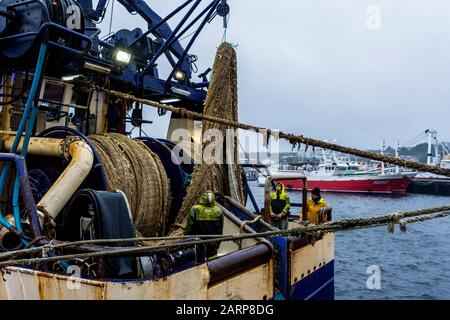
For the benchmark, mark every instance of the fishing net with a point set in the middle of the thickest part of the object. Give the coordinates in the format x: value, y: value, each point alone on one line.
x: 134, y: 169
x: 221, y: 102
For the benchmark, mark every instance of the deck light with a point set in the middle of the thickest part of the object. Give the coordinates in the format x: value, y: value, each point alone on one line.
x: 122, y: 56
x: 179, y: 75
x: 70, y: 77
x: 180, y: 91
x: 170, y: 100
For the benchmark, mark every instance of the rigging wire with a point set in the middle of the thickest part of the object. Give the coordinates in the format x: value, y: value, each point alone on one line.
x: 414, y: 140
x: 187, y: 36
x: 111, y: 17
x: 247, y: 157
x: 225, y: 29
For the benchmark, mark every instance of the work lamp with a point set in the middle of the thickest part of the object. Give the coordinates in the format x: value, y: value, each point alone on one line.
x: 179, y: 75
x: 122, y: 56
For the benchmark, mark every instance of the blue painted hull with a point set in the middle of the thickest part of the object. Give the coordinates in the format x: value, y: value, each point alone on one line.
x: 319, y: 285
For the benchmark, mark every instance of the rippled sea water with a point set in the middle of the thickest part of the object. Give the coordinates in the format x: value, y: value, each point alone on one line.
x: 414, y: 265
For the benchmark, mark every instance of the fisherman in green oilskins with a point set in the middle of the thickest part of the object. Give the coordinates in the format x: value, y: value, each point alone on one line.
x: 206, y: 218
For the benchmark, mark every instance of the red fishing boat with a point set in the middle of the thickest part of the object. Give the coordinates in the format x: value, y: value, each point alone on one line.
x: 345, y: 177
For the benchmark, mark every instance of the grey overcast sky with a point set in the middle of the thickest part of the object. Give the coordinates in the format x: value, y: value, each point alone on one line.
x: 315, y: 67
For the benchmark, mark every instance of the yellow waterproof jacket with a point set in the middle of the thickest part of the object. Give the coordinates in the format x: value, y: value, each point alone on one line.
x: 313, y: 209
x: 280, y: 202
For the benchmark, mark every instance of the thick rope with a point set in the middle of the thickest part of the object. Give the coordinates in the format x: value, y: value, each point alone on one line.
x: 292, y: 138
x: 330, y: 227
x: 134, y: 169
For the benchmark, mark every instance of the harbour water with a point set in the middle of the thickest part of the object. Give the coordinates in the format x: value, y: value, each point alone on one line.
x: 413, y: 265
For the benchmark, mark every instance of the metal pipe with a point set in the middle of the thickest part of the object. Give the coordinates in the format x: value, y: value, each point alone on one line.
x: 247, y: 212
x: 235, y: 219
x: 239, y: 261
x: 82, y: 159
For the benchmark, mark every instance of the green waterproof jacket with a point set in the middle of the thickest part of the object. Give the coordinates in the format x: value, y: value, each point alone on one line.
x: 205, y: 218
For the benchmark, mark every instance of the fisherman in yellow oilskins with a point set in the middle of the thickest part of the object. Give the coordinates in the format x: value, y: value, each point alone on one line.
x: 206, y: 218
x: 316, y: 207
x: 280, y: 204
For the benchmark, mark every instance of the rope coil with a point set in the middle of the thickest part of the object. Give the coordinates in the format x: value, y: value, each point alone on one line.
x: 134, y: 169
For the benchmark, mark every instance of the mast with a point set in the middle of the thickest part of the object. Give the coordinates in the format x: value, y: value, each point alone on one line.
x: 334, y: 157
x: 383, y: 146
x: 429, y: 154
x: 397, y: 168
x: 437, y: 155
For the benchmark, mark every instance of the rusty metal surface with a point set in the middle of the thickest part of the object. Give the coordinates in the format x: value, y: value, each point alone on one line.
x: 236, y: 277
x: 252, y: 284
x: 191, y: 284
x: 25, y: 284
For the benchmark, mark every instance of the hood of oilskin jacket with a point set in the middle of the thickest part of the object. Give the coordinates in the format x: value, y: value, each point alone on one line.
x: 207, y: 199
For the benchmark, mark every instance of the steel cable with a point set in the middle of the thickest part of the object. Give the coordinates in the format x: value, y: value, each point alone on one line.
x: 336, y: 226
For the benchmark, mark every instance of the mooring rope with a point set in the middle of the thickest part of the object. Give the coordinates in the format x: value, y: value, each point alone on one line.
x: 401, y: 218
x: 292, y: 138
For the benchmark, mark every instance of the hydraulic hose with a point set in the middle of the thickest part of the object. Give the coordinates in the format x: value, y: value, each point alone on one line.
x: 23, y: 123
x: 23, y: 153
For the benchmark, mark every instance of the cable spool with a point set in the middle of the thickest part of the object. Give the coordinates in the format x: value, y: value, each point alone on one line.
x: 134, y: 169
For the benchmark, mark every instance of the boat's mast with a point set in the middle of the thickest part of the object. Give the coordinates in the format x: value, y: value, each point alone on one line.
x: 382, y: 152
x: 437, y: 156
x: 397, y: 168
x: 430, y: 134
